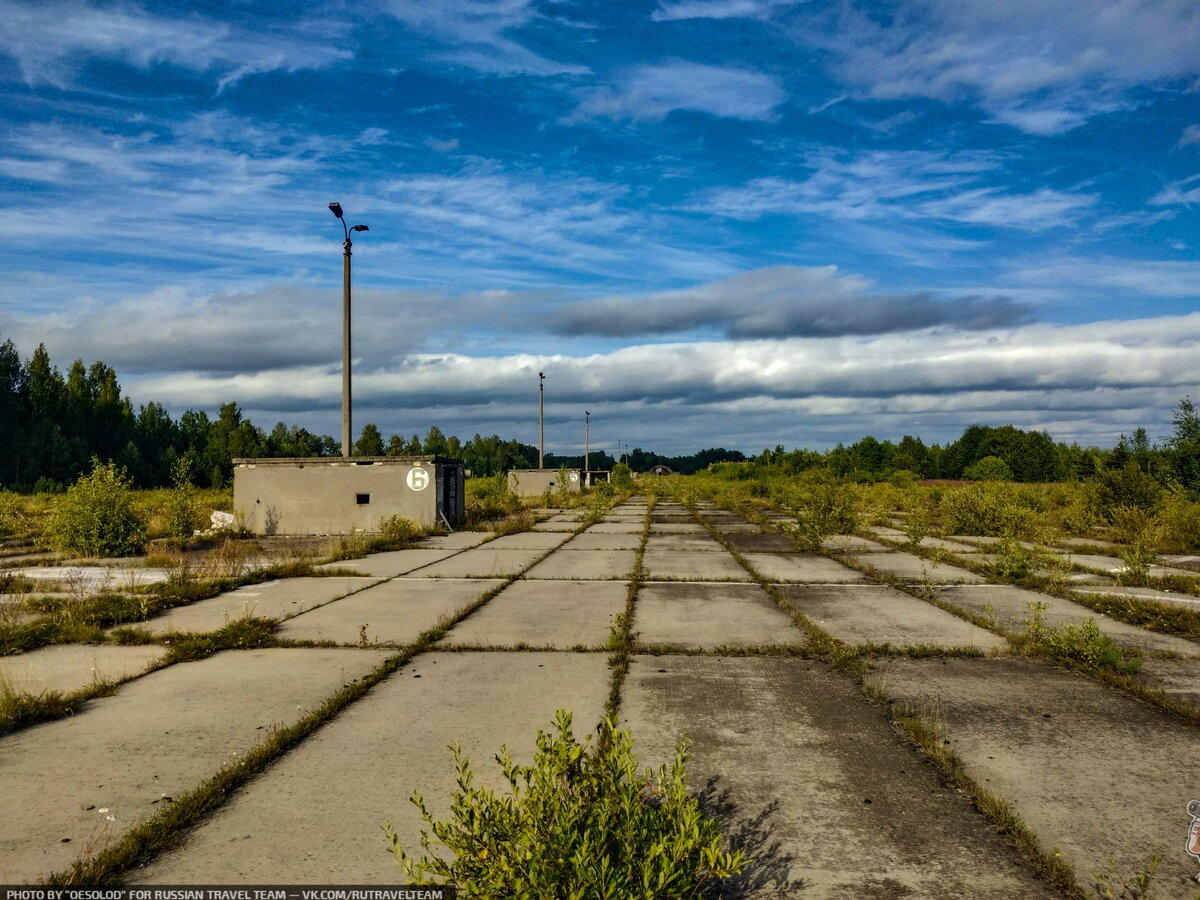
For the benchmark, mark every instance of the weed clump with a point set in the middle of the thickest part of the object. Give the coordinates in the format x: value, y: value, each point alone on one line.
x: 581, y: 821
x: 97, y: 516
x: 1082, y: 646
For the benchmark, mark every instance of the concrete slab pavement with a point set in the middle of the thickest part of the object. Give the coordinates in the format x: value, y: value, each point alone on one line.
x: 279, y: 599
x: 394, y: 562
x: 528, y: 540
x: 395, y: 612
x: 878, y: 614
x: 481, y: 562
x: 589, y: 541
x: 560, y: 614
x: 909, y: 567
x: 70, y: 667
x: 663, y: 542
x: 585, y: 564
x: 698, y: 615
x: 159, y: 735
x: 1010, y: 607
x: 315, y: 816
x: 796, y: 566
x: 1093, y: 772
x: 692, y: 565
x: 851, y: 812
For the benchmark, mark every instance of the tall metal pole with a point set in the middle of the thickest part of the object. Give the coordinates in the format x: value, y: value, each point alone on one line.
x: 346, y: 430
x: 336, y: 209
x: 587, y: 446
x: 541, y: 415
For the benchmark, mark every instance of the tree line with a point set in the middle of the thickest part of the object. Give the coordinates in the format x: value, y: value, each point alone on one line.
x: 53, y: 425
x: 1010, y: 453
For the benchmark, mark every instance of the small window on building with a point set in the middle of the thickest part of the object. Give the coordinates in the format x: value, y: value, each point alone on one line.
x: 362, y: 499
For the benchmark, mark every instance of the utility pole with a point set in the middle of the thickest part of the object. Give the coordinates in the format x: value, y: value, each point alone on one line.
x: 587, y: 446
x: 336, y: 209
x: 541, y: 417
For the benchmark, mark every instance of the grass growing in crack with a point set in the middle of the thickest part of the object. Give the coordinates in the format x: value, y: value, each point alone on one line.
x: 1082, y: 646
x: 245, y: 633
x: 621, y: 637
x: 19, y: 709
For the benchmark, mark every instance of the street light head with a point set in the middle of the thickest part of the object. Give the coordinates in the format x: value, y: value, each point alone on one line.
x: 336, y: 209
x: 541, y: 374
x: 360, y: 228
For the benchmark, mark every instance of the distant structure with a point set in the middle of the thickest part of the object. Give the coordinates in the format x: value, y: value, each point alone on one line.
x: 660, y: 470
x: 323, y: 495
x: 532, y: 482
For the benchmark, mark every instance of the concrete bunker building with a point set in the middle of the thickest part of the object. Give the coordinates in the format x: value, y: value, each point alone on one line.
x: 339, y: 495
x: 532, y: 482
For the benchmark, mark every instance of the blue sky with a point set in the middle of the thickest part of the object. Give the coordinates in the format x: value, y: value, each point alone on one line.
x: 710, y: 222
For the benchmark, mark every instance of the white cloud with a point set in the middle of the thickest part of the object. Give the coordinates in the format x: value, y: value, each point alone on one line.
x: 476, y: 34
x: 781, y: 301
x: 1043, y: 68
x: 1078, y: 377
x: 1184, y: 193
x: 899, y: 185
x: 51, y: 39
x: 716, y: 9
x: 650, y: 92
x: 1139, y: 277
x: 1191, y: 135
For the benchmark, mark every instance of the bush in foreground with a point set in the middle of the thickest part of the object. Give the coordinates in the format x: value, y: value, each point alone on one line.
x: 97, y: 515
x: 580, y: 822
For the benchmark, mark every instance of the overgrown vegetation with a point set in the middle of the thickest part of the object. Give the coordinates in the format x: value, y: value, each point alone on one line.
x: 581, y: 821
x: 97, y: 515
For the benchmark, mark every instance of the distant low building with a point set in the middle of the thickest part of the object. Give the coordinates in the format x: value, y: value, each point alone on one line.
x: 532, y: 482
x: 660, y: 470
x: 335, y: 495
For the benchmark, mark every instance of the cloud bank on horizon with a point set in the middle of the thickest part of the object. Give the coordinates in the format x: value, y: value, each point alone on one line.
x: 711, y: 222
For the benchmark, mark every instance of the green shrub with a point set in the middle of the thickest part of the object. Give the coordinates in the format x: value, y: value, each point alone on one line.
x: 1127, y: 486
x: 12, y: 511
x: 1014, y: 561
x: 97, y: 516
x: 580, y: 822
x: 990, y: 468
x: 990, y: 508
x: 1082, y: 646
x: 399, y: 530
x: 183, y: 507
x: 622, y: 475
x: 1180, y: 520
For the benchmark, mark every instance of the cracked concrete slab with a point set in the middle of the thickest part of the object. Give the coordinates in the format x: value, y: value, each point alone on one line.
x: 878, y: 614
x: 393, y: 562
x: 528, y: 540
x: 909, y: 567
x: 458, y: 540
x: 852, y: 543
x: 795, y: 566
x: 395, y: 612
x: 616, y: 528
x: 589, y: 541
x: 67, y: 668
x: 816, y: 781
x: 1009, y: 608
x: 692, y: 565
x: 279, y: 599
x: 559, y: 614
x: 481, y: 562
x: 585, y: 564
x: 1093, y: 772
x: 315, y: 815
x: 692, y: 614
x: 159, y: 735
x: 664, y: 542
x: 761, y: 543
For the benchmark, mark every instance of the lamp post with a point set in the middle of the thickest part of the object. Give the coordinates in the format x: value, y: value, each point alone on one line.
x: 336, y: 209
x: 541, y: 416
x: 587, y: 446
